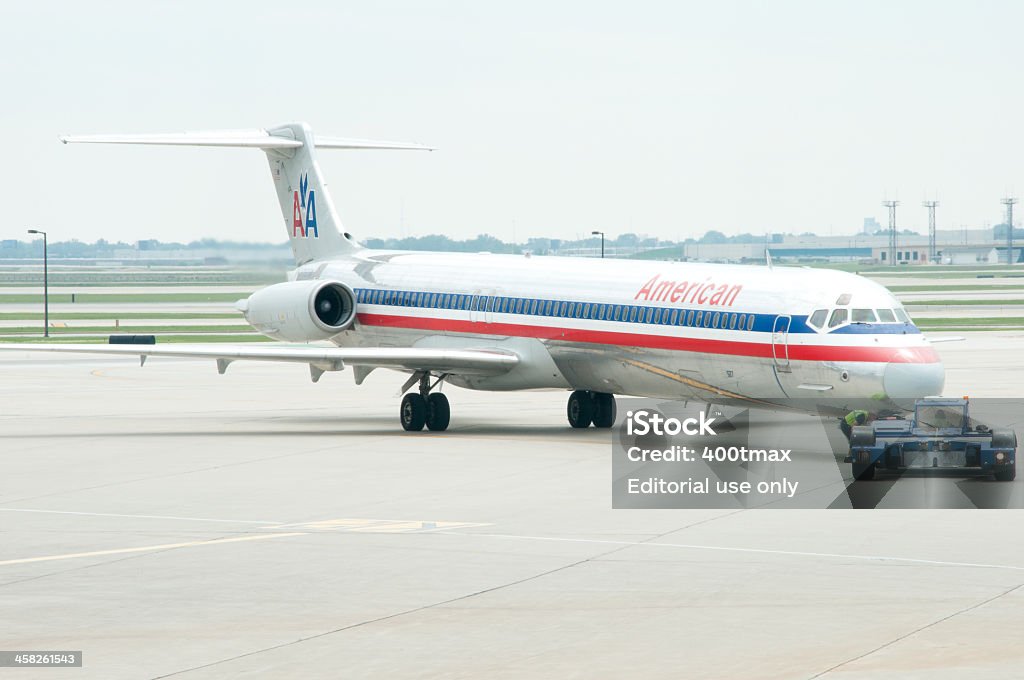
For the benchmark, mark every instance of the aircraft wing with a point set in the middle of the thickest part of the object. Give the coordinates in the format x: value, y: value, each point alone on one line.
x: 319, y: 359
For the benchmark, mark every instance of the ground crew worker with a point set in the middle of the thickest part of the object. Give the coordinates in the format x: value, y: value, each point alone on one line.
x: 858, y: 417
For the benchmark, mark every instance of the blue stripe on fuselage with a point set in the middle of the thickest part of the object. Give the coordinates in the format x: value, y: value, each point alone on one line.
x: 604, y: 311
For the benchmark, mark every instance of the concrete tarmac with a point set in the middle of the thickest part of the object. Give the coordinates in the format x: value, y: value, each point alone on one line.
x: 170, y: 522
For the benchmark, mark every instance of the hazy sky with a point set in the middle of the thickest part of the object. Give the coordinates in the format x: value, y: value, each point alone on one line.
x: 551, y: 118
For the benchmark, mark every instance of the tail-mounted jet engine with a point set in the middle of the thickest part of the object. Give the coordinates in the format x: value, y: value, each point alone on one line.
x: 301, y: 311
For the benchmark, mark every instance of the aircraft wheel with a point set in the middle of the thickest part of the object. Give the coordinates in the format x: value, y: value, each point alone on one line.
x: 604, y: 410
x: 413, y: 412
x: 580, y: 409
x: 864, y: 473
x: 439, y: 412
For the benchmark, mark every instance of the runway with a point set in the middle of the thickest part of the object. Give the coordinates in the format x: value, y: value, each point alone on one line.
x: 170, y: 522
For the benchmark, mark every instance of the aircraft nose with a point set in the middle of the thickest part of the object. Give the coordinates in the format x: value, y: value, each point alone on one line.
x: 910, y: 381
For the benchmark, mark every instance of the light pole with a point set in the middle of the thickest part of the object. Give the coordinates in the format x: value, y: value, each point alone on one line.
x: 46, y: 285
x: 601, y: 233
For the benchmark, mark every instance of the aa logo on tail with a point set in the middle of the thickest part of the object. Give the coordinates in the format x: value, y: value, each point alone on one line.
x: 304, y: 210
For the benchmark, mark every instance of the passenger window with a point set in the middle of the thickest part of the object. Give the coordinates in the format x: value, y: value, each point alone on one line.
x: 818, y: 318
x: 647, y: 315
x: 862, y: 316
x: 700, y: 319
x: 838, y: 318
x: 733, y: 318
x: 901, y: 315
x: 586, y: 311
x: 886, y: 316
x: 548, y: 307
x: 750, y: 322
x: 562, y: 308
x: 689, y: 318
x: 714, y: 322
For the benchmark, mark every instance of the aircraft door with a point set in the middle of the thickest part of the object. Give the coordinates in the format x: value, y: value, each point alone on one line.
x: 780, y: 343
x: 480, y: 309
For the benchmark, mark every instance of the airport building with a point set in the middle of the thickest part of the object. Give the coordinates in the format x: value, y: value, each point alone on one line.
x: 956, y: 247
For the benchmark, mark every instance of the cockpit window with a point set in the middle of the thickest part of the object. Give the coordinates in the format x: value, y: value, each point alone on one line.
x: 838, y: 318
x: 818, y: 318
x: 843, y: 299
x: 886, y: 316
x: 862, y: 316
x: 901, y: 315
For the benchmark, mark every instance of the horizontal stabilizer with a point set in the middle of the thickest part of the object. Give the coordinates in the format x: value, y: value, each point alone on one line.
x: 252, y: 139
x: 345, y: 143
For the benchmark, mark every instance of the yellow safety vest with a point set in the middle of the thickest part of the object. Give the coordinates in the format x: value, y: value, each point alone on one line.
x: 851, y: 418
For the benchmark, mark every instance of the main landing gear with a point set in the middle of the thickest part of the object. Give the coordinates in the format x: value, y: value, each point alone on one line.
x: 423, y: 408
x: 586, y: 408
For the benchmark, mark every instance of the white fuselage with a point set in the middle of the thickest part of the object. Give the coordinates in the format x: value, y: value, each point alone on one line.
x: 723, y: 333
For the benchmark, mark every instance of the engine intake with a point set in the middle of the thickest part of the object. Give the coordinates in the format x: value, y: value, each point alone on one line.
x: 301, y: 311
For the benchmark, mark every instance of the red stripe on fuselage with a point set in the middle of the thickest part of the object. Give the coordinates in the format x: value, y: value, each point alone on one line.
x: 903, y: 355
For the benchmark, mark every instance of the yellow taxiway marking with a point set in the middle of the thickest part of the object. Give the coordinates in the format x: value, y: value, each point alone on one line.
x: 147, y: 548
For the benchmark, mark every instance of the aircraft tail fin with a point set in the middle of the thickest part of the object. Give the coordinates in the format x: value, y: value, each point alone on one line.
x: 311, y: 220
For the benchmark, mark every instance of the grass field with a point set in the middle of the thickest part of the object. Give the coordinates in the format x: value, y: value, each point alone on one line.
x: 971, y: 321
x: 978, y: 288
x: 87, y: 316
x: 128, y: 330
x: 974, y: 302
x: 107, y: 298
x: 162, y: 339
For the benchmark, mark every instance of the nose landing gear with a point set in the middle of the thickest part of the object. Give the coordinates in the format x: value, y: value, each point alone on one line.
x: 423, y: 408
x: 586, y: 408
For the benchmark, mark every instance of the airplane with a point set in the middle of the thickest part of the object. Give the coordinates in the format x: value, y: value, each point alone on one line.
x: 745, y: 335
